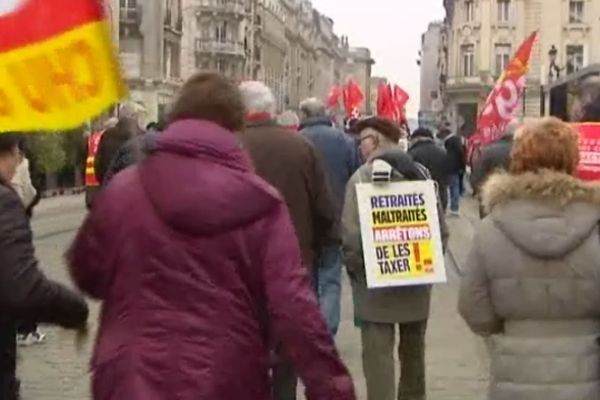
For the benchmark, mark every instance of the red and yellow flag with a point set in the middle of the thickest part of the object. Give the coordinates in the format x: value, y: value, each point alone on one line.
x: 502, y: 104
x: 57, y: 64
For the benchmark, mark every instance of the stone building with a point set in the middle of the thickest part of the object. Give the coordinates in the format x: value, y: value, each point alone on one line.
x: 359, y: 65
x: 149, y: 40
x: 287, y: 44
x: 430, y: 106
x: 484, y: 34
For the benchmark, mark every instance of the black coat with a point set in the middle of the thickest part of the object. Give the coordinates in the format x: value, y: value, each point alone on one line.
x: 426, y: 152
x: 25, y: 292
x: 495, y: 156
x: 456, y: 155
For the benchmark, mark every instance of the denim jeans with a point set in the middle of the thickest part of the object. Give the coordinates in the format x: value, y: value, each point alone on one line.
x: 328, y: 285
x: 455, y: 192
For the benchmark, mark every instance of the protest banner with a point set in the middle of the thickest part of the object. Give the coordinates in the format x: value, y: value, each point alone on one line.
x: 401, y: 237
x: 589, y: 151
x: 57, y: 64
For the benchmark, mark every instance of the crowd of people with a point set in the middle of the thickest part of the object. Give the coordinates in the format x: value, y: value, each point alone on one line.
x: 218, y: 239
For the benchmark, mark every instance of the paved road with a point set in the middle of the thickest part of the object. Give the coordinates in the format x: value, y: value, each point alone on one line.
x: 456, y: 360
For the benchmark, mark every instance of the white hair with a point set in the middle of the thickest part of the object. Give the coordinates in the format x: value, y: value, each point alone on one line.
x: 288, y: 119
x: 257, y: 97
x: 313, y: 107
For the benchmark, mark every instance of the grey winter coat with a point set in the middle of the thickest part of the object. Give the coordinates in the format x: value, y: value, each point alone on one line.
x: 533, y: 285
x: 395, y: 305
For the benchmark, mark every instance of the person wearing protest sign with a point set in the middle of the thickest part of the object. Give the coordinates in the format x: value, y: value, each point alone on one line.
x: 532, y: 276
x: 25, y: 293
x: 197, y: 262
x: 378, y: 312
x: 341, y: 161
x: 292, y: 165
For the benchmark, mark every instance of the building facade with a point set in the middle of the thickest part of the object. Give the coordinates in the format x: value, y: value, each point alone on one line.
x: 359, y: 64
x: 484, y: 34
x: 149, y: 42
x: 287, y: 44
x: 430, y: 106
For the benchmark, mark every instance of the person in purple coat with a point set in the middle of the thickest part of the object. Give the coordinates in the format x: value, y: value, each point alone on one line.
x: 198, y: 267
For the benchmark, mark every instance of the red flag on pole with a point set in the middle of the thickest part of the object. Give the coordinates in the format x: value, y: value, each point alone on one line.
x: 333, y: 98
x: 400, y: 100
x: 385, y: 101
x: 502, y: 103
x: 353, y: 97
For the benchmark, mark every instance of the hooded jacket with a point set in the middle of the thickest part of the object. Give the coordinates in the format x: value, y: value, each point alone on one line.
x: 532, y: 282
x: 25, y: 293
x: 198, y: 266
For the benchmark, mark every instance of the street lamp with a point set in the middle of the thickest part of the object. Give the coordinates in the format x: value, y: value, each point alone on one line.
x: 554, y: 69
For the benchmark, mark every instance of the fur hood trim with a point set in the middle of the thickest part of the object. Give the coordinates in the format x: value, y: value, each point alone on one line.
x: 547, y: 186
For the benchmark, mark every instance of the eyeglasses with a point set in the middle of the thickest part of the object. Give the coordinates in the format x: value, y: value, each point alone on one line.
x: 362, y: 139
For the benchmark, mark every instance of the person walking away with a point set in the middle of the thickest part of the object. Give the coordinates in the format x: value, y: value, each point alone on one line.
x: 292, y: 165
x: 531, y: 283
x: 25, y: 293
x: 425, y: 151
x: 290, y: 120
x: 196, y: 262
x: 378, y: 312
x: 456, y: 164
x: 493, y: 158
x: 28, y: 332
x: 341, y: 161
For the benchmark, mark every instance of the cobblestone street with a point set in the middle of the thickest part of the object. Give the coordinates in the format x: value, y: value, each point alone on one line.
x: 456, y: 360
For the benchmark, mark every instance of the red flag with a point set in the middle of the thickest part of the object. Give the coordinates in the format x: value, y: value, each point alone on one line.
x: 385, y: 101
x: 400, y: 100
x: 502, y: 104
x: 353, y: 97
x: 333, y: 98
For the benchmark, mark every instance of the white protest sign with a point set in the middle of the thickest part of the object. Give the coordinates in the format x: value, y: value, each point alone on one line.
x: 401, y: 236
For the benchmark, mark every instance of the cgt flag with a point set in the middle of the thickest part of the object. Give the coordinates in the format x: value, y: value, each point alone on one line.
x: 502, y: 103
x: 57, y: 65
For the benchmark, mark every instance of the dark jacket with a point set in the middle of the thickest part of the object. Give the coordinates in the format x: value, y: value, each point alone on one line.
x: 426, y: 152
x: 25, y: 292
x: 456, y: 155
x: 293, y: 166
x: 132, y: 152
x: 337, y: 151
x: 196, y: 260
x: 495, y: 156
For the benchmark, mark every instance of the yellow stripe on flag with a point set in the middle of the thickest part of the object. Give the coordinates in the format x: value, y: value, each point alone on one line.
x: 59, y: 83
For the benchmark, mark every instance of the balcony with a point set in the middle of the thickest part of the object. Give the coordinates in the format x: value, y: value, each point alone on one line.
x: 129, y: 15
x: 219, y: 47
x: 234, y: 8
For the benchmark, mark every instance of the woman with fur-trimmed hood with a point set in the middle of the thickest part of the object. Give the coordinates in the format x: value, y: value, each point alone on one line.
x: 533, y: 274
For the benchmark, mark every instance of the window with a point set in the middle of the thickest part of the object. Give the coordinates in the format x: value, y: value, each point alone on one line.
x: 469, y: 10
x: 574, y: 59
x: 502, y: 52
x: 503, y: 10
x: 221, y: 32
x: 222, y: 66
x: 576, y: 8
x: 467, y: 52
x: 128, y: 3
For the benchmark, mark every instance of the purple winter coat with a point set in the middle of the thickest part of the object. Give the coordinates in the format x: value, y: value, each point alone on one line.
x: 198, y: 265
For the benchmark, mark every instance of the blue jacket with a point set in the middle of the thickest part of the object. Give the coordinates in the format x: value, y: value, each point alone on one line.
x: 338, y: 152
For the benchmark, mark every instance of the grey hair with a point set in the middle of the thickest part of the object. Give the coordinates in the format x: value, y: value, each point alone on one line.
x: 257, y: 97
x: 288, y: 118
x: 313, y: 107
